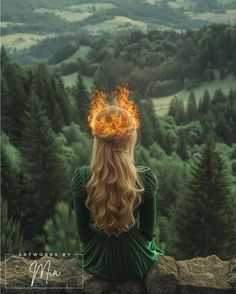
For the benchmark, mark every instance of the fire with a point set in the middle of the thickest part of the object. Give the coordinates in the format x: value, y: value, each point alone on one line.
x: 98, y: 103
x: 122, y: 95
x: 116, y: 122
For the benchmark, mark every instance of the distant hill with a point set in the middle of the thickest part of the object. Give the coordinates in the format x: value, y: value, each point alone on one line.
x: 95, y: 17
x: 59, y: 33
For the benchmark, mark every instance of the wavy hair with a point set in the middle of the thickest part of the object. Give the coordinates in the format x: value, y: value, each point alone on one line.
x: 114, y: 189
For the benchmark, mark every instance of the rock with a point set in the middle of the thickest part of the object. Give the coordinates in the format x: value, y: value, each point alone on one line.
x: 232, y: 273
x: 163, y: 278
x: 71, y: 277
x: 203, y: 275
x: 197, y: 275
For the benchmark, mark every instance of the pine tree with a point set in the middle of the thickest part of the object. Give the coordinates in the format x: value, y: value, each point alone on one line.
x: 62, y: 98
x: 191, y: 107
x: 218, y: 97
x: 176, y: 109
x: 204, y: 103
x: 156, y: 126
x: 46, y: 173
x: 221, y: 58
x: 181, y: 115
x: 49, y: 87
x: 61, y: 235
x: 204, y: 217
x: 11, y: 238
x: 11, y: 175
x: 14, y: 98
x: 146, y: 131
x: 5, y: 106
x: 182, y: 145
x: 83, y: 103
x: 173, y: 107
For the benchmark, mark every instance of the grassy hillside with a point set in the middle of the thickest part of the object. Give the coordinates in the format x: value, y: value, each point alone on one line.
x: 162, y: 104
x: 116, y: 24
x: 92, y: 7
x: 20, y: 41
x: 26, y: 22
x: 61, y: 16
x: 70, y: 80
x: 81, y: 53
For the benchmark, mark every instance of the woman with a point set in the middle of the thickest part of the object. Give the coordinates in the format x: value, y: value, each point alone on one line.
x: 115, y: 201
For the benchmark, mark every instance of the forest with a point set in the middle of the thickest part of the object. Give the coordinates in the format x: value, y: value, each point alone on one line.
x: 155, y: 64
x: 191, y: 149
x: 25, y: 12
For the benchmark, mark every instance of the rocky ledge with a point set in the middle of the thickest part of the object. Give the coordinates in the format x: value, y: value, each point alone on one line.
x: 197, y: 275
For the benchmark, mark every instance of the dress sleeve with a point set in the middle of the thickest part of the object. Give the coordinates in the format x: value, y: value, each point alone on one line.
x: 148, y: 208
x: 77, y: 188
x: 84, y: 230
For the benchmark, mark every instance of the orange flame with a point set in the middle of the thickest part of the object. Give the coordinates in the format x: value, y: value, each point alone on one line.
x: 122, y: 95
x: 113, y: 124
x: 98, y: 103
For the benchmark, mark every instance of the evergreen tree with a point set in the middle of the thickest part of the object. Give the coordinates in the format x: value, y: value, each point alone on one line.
x: 163, y: 233
x: 191, y: 107
x: 218, y: 97
x: 83, y: 103
x: 5, y: 106
x: 63, y: 102
x: 224, y: 131
x: 60, y: 230
x: 79, y: 143
x: 11, y: 177
x: 182, y: 145
x: 11, y: 238
x: 204, y: 103
x: 204, y: 217
x: 14, y: 98
x: 221, y: 63
x: 173, y: 107
x: 171, y: 172
x: 176, y: 110
x: 156, y: 126
x: 181, y: 118
x: 47, y: 87
x: 146, y: 131
x: 46, y: 173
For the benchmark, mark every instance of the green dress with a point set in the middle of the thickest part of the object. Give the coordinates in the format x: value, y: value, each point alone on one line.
x: 132, y: 254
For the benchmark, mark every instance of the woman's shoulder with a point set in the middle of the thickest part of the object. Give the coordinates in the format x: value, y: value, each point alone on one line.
x: 145, y: 170
x: 78, y: 179
x: 79, y: 171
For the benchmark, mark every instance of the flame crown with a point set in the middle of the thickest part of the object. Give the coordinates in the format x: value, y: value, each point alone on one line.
x: 113, y: 120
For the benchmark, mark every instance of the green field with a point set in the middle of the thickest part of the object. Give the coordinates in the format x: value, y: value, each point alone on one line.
x: 70, y: 80
x: 229, y: 16
x: 4, y: 24
x: 91, y: 7
x: 115, y: 24
x: 70, y: 16
x: 162, y: 104
x: 225, y: 1
x: 153, y: 2
x: 175, y: 4
x: 81, y: 53
x: 21, y: 41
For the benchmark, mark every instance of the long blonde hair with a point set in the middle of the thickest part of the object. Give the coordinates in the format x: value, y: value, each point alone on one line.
x: 114, y: 189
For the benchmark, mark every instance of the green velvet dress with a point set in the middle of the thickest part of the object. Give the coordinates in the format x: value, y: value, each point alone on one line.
x: 132, y: 254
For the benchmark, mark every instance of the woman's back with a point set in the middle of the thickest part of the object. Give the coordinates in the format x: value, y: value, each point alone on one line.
x: 116, y: 206
x: 127, y: 256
